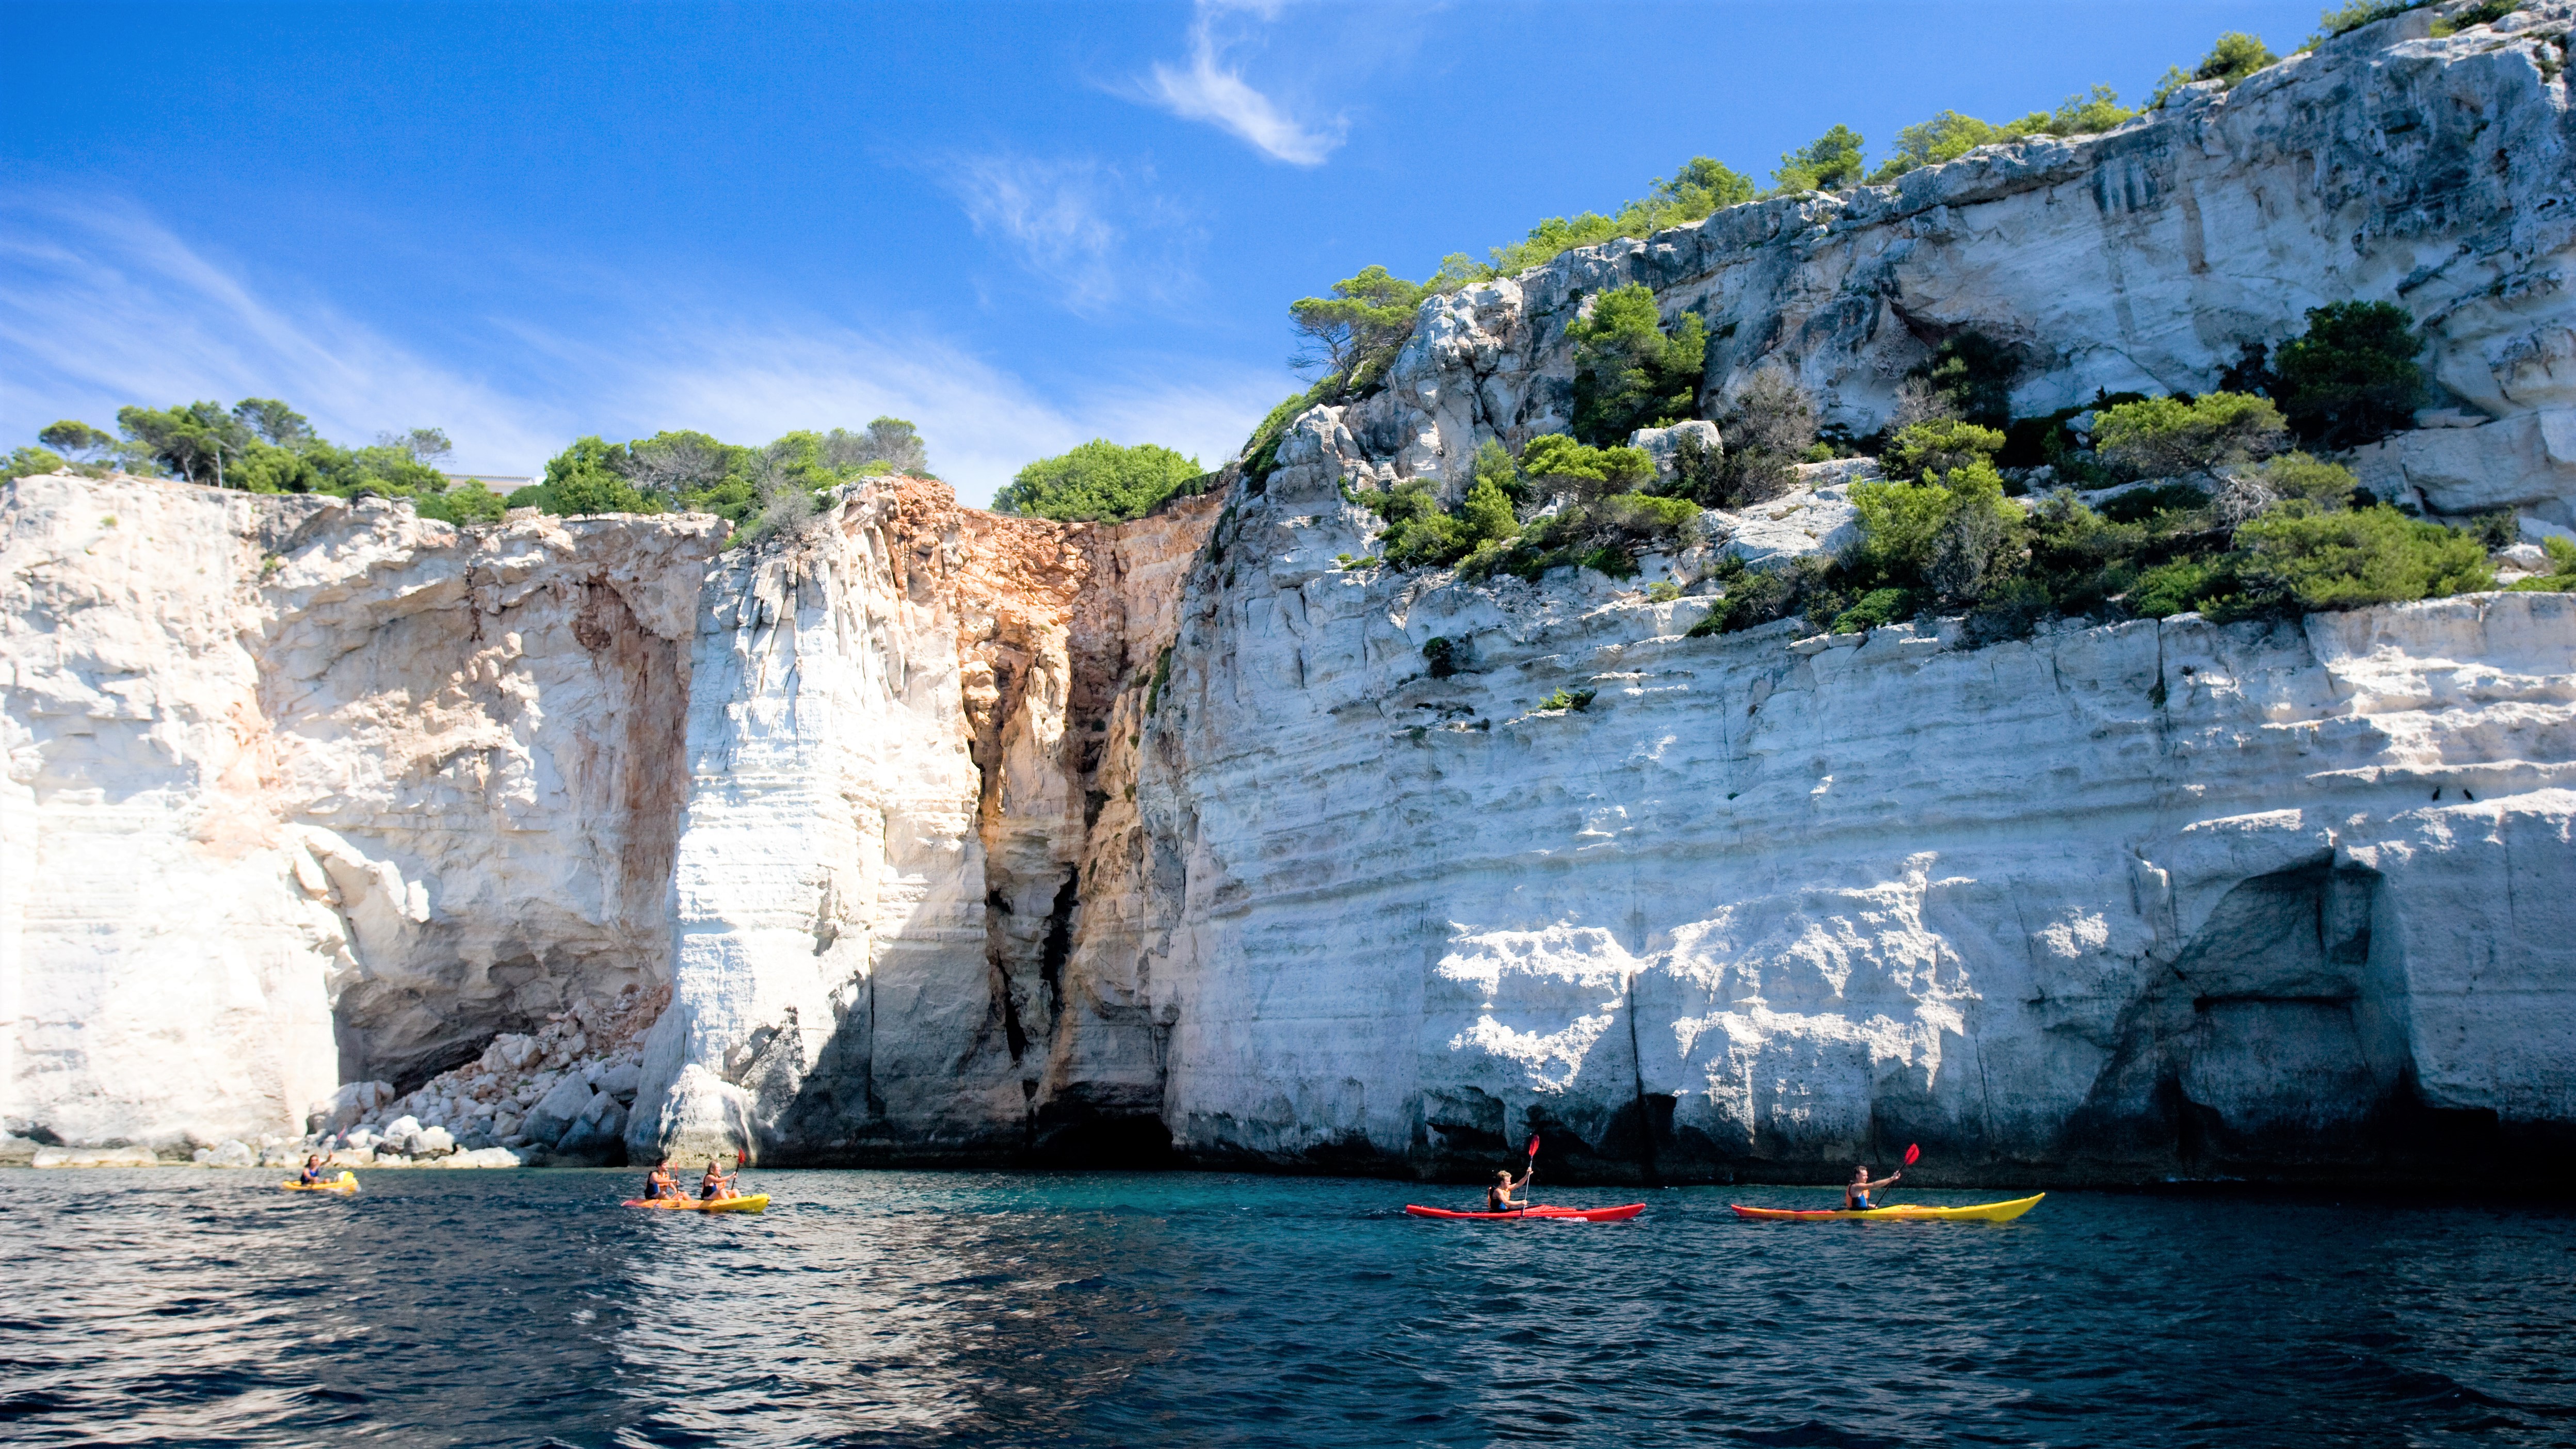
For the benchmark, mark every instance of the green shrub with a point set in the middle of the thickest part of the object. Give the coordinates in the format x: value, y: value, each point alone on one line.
x: 2351, y: 16
x: 1574, y: 699
x: 1420, y: 535
x: 2326, y: 486
x: 1831, y: 162
x: 1699, y: 188
x: 1663, y: 591
x: 581, y: 480
x: 1610, y: 560
x: 2352, y: 377
x: 1162, y: 679
x: 2164, y: 436
x: 1945, y: 536
x: 1098, y: 481
x: 2174, y: 588
x: 2376, y: 555
x: 2235, y: 56
x: 2140, y: 504
x: 1641, y: 516
x: 1441, y: 655
x: 27, y: 462
x: 2561, y: 578
x: 1628, y: 372
x: 1951, y: 135
x: 467, y: 502
x: 1877, y: 607
x: 1564, y: 468
x: 1946, y: 137
x: 1939, y: 446
x: 1486, y: 511
x: 2486, y: 13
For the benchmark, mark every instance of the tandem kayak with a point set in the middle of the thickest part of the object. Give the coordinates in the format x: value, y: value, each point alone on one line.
x: 1984, y: 1212
x: 346, y: 1182
x: 1556, y: 1214
x: 757, y: 1202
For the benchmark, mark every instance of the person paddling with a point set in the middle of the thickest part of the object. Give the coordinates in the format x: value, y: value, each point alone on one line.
x: 1856, y: 1193
x: 659, y: 1183
x: 1499, y: 1199
x: 312, y: 1169
x: 716, y: 1184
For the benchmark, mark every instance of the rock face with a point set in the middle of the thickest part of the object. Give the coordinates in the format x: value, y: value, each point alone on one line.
x: 902, y: 735
x: 2384, y: 166
x: 302, y: 792
x: 932, y: 836
x: 2111, y: 903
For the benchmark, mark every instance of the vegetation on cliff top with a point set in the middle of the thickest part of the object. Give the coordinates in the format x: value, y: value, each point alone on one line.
x: 2218, y: 509
x: 261, y: 445
x: 1099, y: 481
x: 762, y: 491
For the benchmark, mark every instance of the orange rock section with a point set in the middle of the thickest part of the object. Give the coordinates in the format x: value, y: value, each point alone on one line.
x: 1056, y: 622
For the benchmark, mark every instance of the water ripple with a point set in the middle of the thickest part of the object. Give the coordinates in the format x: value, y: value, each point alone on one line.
x: 972, y: 1308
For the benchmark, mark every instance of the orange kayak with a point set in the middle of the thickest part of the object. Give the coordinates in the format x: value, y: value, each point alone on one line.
x: 1549, y: 1214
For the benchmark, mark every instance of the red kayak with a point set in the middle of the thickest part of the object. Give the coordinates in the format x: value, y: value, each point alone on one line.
x: 1561, y: 1214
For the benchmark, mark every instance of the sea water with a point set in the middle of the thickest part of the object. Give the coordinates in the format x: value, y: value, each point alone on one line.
x: 203, y: 1307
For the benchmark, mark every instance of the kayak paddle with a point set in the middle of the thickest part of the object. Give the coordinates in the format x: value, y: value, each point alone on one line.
x: 1530, y: 1173
x: 1911, y: 1153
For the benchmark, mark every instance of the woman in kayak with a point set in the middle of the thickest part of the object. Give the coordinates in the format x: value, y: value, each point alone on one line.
x: 1856, y: 1194
x: 715, y: 1184
x: 1499, y: 1199
x: 312, y: 1169
x: 659, y: 1183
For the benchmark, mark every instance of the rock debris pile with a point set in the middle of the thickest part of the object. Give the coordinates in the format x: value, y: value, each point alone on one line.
x: 560, y: 1095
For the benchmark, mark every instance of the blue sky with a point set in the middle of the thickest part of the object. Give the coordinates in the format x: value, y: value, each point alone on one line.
x: 1020, y: 226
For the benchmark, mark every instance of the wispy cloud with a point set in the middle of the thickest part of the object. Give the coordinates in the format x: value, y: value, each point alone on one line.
x: 1209, y: 90
x: 100, y: 305
x: 105, y: 305
x: 1098, y: 234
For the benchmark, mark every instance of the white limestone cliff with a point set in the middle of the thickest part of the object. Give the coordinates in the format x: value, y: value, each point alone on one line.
x: 956, y: 838
x: 2116, y: 901
x: 2384, y: 166
x: 302, y: 792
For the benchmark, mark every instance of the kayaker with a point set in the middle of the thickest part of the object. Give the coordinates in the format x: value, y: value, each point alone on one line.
x: 312, y: 1172
x: 1499, y: 1199
x: 716, y: 1184
x: 659, y: 1183
x: 1856, y: 1194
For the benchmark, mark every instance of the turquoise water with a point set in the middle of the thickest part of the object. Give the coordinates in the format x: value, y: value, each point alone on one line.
x: 179, y: 1306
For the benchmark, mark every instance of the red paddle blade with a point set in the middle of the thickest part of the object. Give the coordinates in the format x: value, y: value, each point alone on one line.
x: 1533, y: 1147
x: 1912, y: 1152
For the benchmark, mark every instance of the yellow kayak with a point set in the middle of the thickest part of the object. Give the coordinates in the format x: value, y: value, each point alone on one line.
x: 345, y: 1182
x: 1984, y: 1212
x: 757, y: 1202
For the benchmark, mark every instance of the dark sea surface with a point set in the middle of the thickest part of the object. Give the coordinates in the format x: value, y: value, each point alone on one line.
x: 203, y: 1307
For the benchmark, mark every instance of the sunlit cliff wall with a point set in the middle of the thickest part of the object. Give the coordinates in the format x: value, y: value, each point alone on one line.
x: 963, y: 838
x: 302, y: 792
